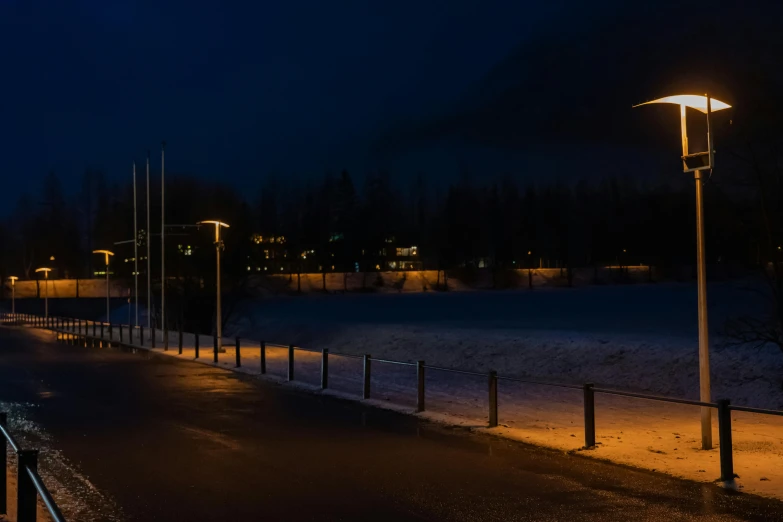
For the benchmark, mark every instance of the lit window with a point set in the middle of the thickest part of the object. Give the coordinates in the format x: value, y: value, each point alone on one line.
x: 414, y: 251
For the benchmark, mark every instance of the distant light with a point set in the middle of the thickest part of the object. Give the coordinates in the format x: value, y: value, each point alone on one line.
x: 213, y: 222
x: 51, y: 258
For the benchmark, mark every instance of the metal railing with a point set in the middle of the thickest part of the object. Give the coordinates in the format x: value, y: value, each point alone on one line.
x: 77, y: 330
x: 29, y: 485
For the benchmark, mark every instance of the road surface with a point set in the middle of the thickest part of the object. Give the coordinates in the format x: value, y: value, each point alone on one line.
x: 172, y: 440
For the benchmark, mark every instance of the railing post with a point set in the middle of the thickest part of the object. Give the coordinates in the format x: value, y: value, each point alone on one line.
x: 324, y: 369
x: 152, y: 337
x: 141, y: 335
x: 215, y: 349
x: 263, y: 357
x: 120, y: 327
x: 493, y: 399
x: 111, y: 332
x: 101, y: 329
x: 589, y: 415
x: 420, y: 386
x: 130, y: 334
x: 179, y: 347
x: 4, y: 468
x: 165, y: 337
x: 94, y: 329
x: 239, y: 357
x: 724, y: 432
x: 290, y: 362
x: 26, y: 495
x: 195, y: 341
x: 367, y: 368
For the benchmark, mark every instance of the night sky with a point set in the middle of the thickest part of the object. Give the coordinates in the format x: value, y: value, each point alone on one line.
x: 241, y: 90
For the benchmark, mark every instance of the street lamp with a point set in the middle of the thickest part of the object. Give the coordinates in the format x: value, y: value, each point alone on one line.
x: 46, y: 289
x: 106, y: 254
x: 697, y: 162
x: 218, y: 246
x: 13, y: 293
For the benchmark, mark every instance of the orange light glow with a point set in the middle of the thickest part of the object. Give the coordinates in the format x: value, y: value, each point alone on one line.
x: 693, y: 101
x: 213, y: 222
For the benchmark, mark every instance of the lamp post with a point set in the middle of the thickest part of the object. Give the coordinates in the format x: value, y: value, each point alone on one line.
x: 163, y: 236
x: 135, y: 253
x: 46, y: 289
x: 13, y: 294
x: 218, y: 246
x: 147, y: 237
x: 698, y: 162
x: 106, y: 254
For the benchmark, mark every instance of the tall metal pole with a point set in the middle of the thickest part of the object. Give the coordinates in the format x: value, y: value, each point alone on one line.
x: 701, y: 276
x: 108, y: 290
x: 13, y: 297
x: 46, y: 294
x: 219, y: 315
x: 148, y: 236
x: 135, y: 250
x: 162, y: 235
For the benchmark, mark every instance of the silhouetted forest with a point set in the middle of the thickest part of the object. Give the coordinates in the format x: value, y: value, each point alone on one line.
x: 337, y: 224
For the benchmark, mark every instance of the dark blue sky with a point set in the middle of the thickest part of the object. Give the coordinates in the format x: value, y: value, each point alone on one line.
x: 238, y: 89
x: 242, y: 90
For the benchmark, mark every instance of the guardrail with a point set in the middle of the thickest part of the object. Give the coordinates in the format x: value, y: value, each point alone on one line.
x: 77, y: 331
x: 29, y: 485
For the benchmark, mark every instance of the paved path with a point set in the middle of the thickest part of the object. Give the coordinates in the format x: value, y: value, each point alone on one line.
x: 173, y: 440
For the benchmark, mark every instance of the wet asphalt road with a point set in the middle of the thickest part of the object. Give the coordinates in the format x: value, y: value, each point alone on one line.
x: 172, y: 440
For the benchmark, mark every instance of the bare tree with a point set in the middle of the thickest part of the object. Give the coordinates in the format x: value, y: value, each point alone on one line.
x: 767, y: 184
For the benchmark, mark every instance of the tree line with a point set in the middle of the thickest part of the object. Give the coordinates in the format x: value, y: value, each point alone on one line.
x: 349, y: 226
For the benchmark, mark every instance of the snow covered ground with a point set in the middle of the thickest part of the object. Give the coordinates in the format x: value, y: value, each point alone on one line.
x: 639, y: 338
x: 635, y: 337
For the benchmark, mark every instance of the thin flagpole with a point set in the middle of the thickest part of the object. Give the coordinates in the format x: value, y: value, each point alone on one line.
x: 162, y: 235
x: 149, y: 237
x: 135, y: 249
